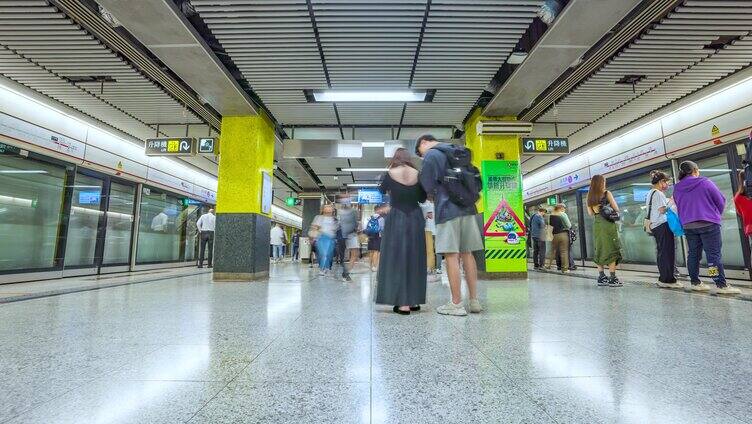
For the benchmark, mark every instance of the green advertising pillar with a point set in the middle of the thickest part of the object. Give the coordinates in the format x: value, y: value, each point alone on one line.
x: 244, y: 196
x: 501, y: 206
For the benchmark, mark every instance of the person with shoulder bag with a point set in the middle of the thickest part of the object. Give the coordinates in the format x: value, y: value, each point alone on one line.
x: 560, y: 226
x: 602, y: 206
x: 656, y: 225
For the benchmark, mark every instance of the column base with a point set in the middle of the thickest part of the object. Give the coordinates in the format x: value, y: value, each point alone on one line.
x: 239, y: 277
x: 241, y: 247
x: 482, y: 275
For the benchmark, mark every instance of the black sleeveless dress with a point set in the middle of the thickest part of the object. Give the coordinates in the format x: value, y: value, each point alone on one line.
x: 402, y: 267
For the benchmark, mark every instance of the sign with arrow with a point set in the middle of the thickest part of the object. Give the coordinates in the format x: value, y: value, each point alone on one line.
x: 545, y: 146
x: 170, y: 147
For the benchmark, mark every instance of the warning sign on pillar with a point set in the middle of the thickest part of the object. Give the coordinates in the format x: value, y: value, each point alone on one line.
x: 504, y: 228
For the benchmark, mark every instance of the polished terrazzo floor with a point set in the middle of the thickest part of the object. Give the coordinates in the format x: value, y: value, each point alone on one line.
x: 306, y: 349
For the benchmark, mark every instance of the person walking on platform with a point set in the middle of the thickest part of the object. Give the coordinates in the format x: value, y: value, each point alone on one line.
x: 324, y: 230
x: 373, y: 229
x: 205, y: 226
x: 431, y: 257
x: 348, y: 231
x: 457, y: 231
x: 278, y: 239
x: 402, y: 267
x: 657, y: 205
x: 295, y: 246
x: 700, y: 206
x: 537, y: 228
x: 560, y: 244
x: 602, y: 206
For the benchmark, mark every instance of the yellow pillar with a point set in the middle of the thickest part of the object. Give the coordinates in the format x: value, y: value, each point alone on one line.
x: 241, y: 242
x: 498, y: 158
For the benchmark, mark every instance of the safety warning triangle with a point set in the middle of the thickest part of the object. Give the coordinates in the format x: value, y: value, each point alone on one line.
x: 494, y: 228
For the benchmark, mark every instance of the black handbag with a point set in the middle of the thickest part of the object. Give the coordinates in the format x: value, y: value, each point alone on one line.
x: 607, y: 212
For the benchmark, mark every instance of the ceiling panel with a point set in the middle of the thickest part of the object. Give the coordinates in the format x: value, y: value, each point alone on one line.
x: 368, y: 45
x: 671, y: 60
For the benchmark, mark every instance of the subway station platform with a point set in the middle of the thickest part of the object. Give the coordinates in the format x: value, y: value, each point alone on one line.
x: 307, y: 349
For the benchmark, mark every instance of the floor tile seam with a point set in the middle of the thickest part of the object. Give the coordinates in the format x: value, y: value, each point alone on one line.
x: 684, y: 391
x: 38, y: 405
x: 498, y: 367
x: 235, y: 377
x: 73, y: 290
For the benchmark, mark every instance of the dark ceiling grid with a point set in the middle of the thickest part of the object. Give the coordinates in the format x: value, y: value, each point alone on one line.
x: 415, y: 62
x: 316, y: 35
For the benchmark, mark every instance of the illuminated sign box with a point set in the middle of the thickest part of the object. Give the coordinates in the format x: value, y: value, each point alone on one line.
x: 170, y: 147
x: 545, y: 146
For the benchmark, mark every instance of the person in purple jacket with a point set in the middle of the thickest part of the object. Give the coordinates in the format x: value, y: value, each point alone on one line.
x: 700, y: 206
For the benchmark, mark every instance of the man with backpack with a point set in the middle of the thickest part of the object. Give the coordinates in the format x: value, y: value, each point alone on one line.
x: 454, y: 183
x: 373, y: 228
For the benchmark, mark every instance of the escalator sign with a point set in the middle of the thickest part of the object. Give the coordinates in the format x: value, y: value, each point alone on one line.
x: 545, y: 146
x: 170, y: 146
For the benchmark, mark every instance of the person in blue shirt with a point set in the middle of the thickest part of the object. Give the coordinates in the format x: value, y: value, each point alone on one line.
x: 537, y: 233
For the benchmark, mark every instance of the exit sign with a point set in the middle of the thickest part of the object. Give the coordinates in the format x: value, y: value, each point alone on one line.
x: 552, y: 201
x: 545, y: 146
x: 292, y: 201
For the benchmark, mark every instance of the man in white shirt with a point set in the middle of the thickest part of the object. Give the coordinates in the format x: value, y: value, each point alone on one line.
x: 278, y: 240
x: 205, y: 226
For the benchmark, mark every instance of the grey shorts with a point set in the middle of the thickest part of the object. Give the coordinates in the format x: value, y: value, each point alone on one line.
x: 458, y: 235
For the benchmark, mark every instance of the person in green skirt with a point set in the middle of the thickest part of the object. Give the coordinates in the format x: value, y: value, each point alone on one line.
x: 602, y: 206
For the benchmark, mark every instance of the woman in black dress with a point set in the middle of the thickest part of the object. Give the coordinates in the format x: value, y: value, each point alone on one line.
x: 402, y: 268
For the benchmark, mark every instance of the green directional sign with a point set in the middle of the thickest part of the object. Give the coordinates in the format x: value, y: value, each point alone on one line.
x: 6, y: 149
x: 552, y: 201
x: 292, y: 201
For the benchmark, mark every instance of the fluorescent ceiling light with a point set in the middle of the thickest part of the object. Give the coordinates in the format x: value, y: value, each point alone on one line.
x: 365, y: 169
x: 516, y: 58
x: 22, y: 171
x: 363, y: 185
x: 373, y: 144
x: 370, y: 96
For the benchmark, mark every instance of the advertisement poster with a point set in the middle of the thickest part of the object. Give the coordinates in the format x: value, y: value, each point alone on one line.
x: 504, y: 226
x: 266, y: 193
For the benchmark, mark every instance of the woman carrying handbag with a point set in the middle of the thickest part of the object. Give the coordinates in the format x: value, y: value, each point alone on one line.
x: 605, y: 212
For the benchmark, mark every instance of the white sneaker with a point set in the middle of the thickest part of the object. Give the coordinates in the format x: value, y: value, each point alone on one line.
x: 727, y: 290
x: 432, y: 278
x: 474, y: 306
x: 373, y: 269
x: 322, y: 272
x: 452, y: 309
x: 674, y: 285
x: 700, y: 287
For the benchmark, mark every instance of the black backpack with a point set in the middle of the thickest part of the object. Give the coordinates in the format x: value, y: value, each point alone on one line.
x: 462, y: 179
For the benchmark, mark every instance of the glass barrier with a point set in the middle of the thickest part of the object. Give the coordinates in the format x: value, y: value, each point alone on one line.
x: 117, y: 240
x: 160, y: 227
x: 85, y: 213
x: 31, y: 202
